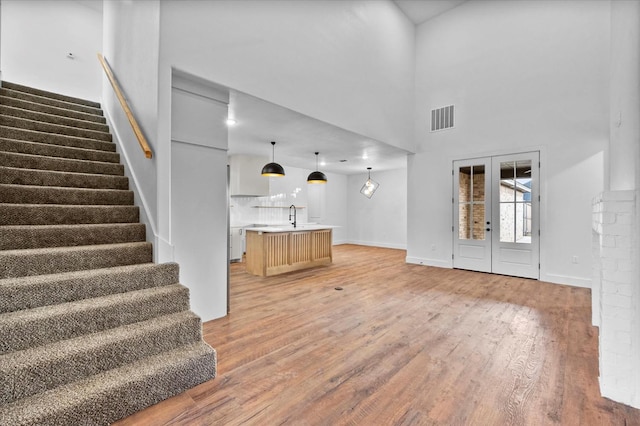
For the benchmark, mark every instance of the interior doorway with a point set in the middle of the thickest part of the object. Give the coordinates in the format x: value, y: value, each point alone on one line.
x: 496, y: 214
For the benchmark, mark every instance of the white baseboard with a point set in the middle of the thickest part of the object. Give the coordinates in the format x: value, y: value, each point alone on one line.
x: 566, y: 280
x: 428, y: 262
x: 139, y: 198
x: 374, y: 244
x: 615, y: 393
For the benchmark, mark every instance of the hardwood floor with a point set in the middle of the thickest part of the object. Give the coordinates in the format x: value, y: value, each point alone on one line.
x: 400, y: 344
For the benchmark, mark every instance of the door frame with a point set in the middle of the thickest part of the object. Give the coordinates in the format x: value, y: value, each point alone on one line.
x: 537, y: 204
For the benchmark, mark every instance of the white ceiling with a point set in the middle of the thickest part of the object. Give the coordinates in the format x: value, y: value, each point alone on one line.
x: 419, y: 11
x: 298, y: 137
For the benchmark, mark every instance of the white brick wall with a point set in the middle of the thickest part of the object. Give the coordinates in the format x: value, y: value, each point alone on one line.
x: 615, y: 294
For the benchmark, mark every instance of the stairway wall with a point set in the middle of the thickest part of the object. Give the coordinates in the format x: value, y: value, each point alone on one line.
x: 36, y: 37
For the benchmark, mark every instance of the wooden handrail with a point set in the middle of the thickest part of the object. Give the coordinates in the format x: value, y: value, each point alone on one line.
x: 125, y: 106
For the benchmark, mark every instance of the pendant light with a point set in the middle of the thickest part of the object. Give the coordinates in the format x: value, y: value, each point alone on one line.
x: 369, y: 186
x: 273, y: 168
x: 317, y: 176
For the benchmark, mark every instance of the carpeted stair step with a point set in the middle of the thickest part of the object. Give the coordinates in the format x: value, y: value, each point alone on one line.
x: 35, y: 148
x: 43, y: 100
x: 55, y: 139
x: 52, y: 119
x: 16, y: 176
x: 41, y: 368
x: 17, y: 237
x: 58, y: 129
x: 47, y: 109
x: 30, y: 161
x: 40, y: 326
x: 57, y: 214
x: 22, y: 263
x: 41, y: 290
x: 30, y: 194
x: 119, y: 392
x: 50, y: 95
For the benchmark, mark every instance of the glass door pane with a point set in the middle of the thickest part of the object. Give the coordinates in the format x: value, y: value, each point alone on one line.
x: 471, y: 199
x: 515, y: 202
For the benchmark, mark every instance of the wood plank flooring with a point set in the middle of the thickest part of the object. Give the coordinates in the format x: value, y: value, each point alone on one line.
x: 400, y: 344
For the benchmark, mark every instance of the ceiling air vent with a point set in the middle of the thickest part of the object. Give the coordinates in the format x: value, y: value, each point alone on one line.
x: 442, y: 118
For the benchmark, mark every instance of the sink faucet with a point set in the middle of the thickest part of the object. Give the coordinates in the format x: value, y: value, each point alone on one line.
x: 292, y: 206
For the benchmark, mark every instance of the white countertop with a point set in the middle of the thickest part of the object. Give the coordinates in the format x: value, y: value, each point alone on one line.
x: 290, y: 228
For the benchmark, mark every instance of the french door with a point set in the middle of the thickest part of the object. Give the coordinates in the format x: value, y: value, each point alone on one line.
x: 496, y: 214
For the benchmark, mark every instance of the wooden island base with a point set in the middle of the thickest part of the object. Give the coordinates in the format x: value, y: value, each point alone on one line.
x: 272, y: 253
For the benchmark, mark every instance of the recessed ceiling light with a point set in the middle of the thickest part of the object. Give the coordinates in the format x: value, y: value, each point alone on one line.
x: 231, y: 121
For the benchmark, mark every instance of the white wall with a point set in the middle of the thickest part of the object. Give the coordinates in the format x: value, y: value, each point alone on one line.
x: 294, y: 189
x: 131, y: 46
x: 382, y: 219
x: 348, y: 63
x: 616, y: 289
x: 199, y: 233
x: 36, y: 38
x: 526, y: 75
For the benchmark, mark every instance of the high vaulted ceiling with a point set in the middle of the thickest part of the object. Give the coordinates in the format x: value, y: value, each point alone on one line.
x: 420, y: 11
x: 298, y: 136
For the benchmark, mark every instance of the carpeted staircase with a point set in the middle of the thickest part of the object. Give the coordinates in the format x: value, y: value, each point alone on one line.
x: 90, y: 329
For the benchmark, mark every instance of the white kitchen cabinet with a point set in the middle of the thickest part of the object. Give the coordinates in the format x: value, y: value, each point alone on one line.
x: 245, y: 178
x: 236, y: 249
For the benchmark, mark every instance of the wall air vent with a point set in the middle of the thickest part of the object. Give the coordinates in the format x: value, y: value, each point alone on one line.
x: 442, y: 118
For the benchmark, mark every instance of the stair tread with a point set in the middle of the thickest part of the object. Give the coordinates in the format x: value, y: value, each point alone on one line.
x: 38, y: 261
x: 97, y: 247
x: 43, y: 100
x: 36, y: 290
x: 64, y: 188
x: 77, y: 275
x: 40, y: 368
x: 50, y: 109
x: 71, y: 227
x: 56, y: 178
x: 171, y: 372
x: 64, y: 348
x: 48, y: 94
x: 44, y: 117
x: 62, y: 172
x: 40, y: 236
x: 56, y: 129
x: 48, y: 150
x: 43, y: 162
x: 66, y: 214
x: 30, y: 135
x: 51, y: 323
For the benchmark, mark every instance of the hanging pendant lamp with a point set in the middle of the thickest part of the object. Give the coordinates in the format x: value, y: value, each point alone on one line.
x: 317, y: 176
x: 273, y: 168
x: 369, y: 186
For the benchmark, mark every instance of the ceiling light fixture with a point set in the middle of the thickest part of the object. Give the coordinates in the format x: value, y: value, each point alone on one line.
x: 317, y: 176
x: 273, y: 168
x: 369, y: 186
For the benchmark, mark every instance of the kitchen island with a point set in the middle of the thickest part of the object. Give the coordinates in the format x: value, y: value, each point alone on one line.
x: 276, y: 250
